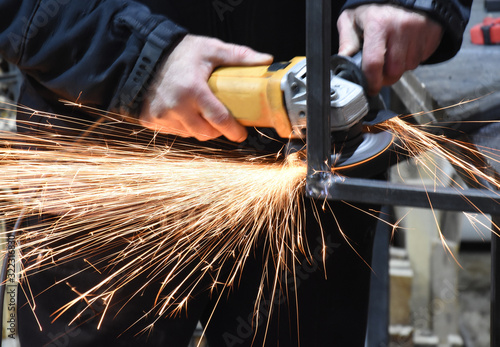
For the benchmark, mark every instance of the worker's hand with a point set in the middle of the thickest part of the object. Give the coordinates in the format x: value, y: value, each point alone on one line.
x: 393, y: 40
x: 180, y: 101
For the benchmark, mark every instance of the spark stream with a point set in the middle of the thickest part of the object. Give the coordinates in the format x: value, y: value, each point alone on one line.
x: 127, y: 210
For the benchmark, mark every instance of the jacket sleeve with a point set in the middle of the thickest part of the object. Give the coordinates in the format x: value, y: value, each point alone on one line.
x: 453, y: 15
x: 101, y: 53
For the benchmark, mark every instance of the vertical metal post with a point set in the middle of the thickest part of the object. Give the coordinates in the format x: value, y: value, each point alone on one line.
x: 495, y: 287
x: 318, y: 52
x: 378, y: 309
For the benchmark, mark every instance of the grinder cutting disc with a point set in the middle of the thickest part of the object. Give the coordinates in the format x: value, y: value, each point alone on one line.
x: 359, y: 152
x: 367, y: 156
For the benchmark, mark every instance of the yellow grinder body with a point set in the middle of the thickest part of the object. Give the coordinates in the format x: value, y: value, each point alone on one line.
x: 254, y: 95
x: 275, y: 96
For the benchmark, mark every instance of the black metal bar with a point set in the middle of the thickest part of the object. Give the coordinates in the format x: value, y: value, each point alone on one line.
x: 495, y: 286
x: 381, y: 192
x: 318, y: 52
x: 378, y: 312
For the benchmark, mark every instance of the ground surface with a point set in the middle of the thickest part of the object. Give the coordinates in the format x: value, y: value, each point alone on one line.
x: 474, y: 296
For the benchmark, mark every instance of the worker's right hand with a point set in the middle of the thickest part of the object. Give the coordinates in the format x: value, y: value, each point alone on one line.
x: 180, y: 101
x: 394, y: 40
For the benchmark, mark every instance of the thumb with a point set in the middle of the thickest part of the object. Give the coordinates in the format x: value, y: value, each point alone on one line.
x: 232, y: 54
x: 349, y: 35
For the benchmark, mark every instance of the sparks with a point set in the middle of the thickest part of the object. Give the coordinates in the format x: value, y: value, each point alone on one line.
x: 174, y: 212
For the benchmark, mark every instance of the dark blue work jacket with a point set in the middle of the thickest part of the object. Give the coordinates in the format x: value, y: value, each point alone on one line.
x: 103, y: 53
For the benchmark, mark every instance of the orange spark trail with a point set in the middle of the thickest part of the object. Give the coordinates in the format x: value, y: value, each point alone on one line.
x: 424, y: 147
x: 174, y: 212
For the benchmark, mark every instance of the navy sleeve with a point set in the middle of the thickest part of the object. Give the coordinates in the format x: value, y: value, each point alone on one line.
x: 101, y: 53
x: 453, y: 15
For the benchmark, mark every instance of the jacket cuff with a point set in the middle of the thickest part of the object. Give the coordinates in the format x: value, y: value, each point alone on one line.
x: 453, y: 15
x: 130, y: 97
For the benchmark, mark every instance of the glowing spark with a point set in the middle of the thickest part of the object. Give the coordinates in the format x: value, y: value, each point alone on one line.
x: 175, y: 212
x: 467, y: 159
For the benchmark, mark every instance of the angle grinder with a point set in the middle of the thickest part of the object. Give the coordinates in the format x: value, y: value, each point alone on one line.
x: 275, y: 96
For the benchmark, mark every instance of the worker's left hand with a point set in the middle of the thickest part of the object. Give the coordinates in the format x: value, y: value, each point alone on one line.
x: 393, y: 40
